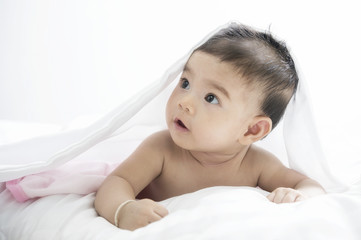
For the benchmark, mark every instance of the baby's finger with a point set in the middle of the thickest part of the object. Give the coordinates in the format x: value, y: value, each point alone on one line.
x: 278, y: 197
x: 300, y: 198
x: 289, y: 197
x: 153, y: 218
x: 161, y: 210
x: 271, y: 196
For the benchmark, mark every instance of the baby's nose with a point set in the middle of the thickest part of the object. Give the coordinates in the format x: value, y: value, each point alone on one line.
x: 186, y: 104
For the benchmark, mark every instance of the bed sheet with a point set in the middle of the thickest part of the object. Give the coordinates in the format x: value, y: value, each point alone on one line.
x: 211, y: 213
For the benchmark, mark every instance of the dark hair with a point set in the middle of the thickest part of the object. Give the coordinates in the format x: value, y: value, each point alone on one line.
x: 262, y: 60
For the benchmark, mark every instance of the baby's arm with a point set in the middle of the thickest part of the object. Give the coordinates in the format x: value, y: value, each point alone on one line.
x: 303, y: 189
x: 285, y: 185
x: 124, y: 184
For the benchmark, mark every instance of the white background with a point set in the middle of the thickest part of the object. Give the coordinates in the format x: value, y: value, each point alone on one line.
x: 67, y: 58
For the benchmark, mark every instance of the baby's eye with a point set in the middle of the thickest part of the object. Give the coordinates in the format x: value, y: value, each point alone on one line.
x: 211, y: 98
x: 184, y: 84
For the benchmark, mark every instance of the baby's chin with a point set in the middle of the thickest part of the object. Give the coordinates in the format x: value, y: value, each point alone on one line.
x: 176, y: 140
x: 181, y: 143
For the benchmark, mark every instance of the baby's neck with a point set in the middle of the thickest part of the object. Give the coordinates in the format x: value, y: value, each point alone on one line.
x: 209, y: 159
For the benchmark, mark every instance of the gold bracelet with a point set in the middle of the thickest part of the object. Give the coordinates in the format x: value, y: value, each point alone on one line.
x: 118, y: 210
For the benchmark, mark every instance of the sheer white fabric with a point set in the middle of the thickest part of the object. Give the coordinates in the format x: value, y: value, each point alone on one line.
x: 294, y: 141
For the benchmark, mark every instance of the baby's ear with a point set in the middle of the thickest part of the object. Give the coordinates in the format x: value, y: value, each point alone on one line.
x: 258, y: 129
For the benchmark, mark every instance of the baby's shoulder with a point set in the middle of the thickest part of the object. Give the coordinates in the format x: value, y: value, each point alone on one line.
x: 259, y: 156
x: 161, y: 141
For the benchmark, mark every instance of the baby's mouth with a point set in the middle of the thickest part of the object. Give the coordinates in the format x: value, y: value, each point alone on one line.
x: 180, y: 124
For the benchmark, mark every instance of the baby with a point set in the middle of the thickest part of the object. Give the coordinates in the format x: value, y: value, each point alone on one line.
x: 233, y: 91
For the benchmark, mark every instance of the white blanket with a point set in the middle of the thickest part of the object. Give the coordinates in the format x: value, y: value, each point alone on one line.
x: 212, y: 213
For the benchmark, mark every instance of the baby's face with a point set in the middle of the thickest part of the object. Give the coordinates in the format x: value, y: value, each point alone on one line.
x: 210, y: 108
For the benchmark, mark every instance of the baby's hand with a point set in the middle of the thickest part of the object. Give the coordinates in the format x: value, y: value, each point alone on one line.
x: 140, y: 213
x: 285, y: 195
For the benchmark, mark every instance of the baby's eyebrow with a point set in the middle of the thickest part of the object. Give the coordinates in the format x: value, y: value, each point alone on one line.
x: 219, y: 88
x: 187, y: 69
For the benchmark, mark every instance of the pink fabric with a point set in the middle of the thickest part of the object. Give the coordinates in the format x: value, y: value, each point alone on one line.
x: 78, y: 178
x: 16, y: 190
